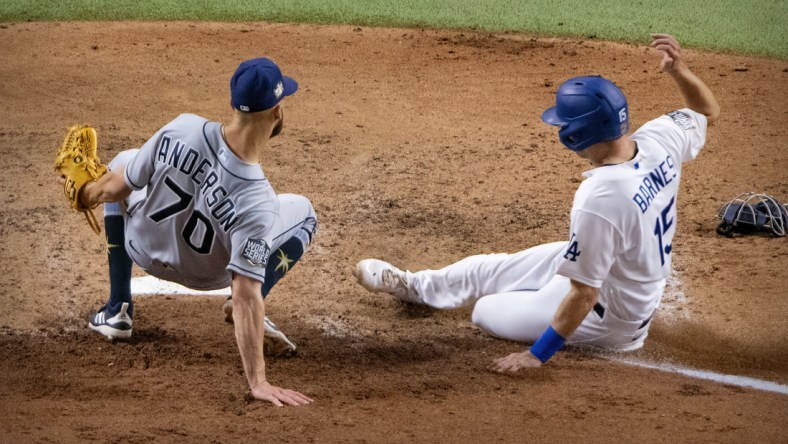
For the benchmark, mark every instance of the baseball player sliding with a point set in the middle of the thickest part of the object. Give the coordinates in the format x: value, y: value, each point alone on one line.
x: 193, y: 206
x: 603, y: 286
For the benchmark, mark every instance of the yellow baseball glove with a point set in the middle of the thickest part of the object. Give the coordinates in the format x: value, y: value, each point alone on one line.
x: 77, y: 162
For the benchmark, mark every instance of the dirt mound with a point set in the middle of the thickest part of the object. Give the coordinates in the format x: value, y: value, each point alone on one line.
x: 420, y: 147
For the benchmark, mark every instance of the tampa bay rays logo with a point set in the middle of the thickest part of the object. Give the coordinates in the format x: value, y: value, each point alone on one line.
x: 573, y: 249
x: 284, y: 262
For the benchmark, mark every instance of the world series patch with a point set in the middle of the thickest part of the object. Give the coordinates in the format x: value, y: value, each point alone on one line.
x: 256, y: 252
x: 682, y: 120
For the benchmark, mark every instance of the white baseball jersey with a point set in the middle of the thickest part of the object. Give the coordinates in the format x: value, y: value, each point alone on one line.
x: 624, y: 217
x: 204, y: 213
x: 622, y: 226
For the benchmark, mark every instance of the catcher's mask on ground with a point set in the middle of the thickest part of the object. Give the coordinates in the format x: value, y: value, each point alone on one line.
x: 589, y: 110
x: 753, y: 213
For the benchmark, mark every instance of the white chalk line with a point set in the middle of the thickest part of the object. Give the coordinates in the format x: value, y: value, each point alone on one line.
x: 739, y: 381
x: 149, y: 285
x: 152, y: 286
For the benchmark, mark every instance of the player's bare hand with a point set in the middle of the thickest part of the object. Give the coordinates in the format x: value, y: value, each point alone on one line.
x: 279, y: 396
x: 671, y: 51
x: 515, y: 362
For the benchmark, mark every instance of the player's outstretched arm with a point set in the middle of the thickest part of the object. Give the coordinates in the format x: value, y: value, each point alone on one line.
x: 570, y: 315
x: 697, y: 95
x: 248, y: 317
x: 111, y: 187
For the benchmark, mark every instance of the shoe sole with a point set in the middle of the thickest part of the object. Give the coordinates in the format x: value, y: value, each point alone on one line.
x: 109, y: 332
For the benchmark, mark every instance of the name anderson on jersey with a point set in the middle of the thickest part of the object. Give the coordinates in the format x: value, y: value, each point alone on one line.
x: 201, y: 172
x: 652, y: 184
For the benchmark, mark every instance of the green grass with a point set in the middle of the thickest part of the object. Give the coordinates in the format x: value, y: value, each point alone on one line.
x: 756, y: 26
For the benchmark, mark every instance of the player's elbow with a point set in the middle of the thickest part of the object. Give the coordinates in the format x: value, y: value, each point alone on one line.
x: 245, y: 290
x: 585, y: 295
x: 113, y: 188
x: 713, y: 113
x: 710, y: 108
x: 117, y: 194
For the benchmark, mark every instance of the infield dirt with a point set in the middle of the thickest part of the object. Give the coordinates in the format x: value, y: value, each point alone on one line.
x: 419, y: 147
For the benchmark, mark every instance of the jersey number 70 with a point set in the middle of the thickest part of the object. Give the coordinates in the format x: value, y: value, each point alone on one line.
x: 184, y: 200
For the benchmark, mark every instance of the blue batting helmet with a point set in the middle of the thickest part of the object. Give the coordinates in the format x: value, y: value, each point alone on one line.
x: 589, y: 110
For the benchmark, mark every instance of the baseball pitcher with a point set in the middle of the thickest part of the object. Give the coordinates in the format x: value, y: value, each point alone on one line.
x: 193, y: 206
x: 603, y: 285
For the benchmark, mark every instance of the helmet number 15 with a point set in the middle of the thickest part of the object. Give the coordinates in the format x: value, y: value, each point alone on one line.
x: 664, y: 222
x: 622, y: 115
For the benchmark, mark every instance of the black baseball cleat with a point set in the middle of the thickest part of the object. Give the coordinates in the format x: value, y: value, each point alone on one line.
x: 117, y: 326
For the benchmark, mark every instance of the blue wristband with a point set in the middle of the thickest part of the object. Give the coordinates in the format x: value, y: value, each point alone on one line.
x: 547, y: 344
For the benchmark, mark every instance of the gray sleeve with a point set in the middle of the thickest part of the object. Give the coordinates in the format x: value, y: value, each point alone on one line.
x: 140, y: 170
x: 251, y: 246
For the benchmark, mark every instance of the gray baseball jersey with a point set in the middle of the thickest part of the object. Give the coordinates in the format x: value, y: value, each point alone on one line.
x: 200, y: 212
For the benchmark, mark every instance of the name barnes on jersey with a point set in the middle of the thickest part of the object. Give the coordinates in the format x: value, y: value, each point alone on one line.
x: 200, y: 170
x: 652, y: 184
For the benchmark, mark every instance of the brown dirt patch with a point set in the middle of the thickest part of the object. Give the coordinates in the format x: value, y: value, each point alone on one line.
x: 417, y: 146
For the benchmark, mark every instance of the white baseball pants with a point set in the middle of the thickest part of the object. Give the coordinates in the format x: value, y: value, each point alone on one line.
x: 517, y: 295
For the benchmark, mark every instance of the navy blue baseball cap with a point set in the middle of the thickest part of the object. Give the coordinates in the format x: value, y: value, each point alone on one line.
x: 258, y: 85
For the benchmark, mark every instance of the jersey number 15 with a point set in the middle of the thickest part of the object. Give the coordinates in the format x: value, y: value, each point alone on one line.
x: 664, y: 222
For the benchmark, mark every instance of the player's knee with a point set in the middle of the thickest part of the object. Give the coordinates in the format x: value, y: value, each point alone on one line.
x: 484, y: 315
x: 298, y: 204
x: 310, y: 221
x: 310, y: 209
x: 496, y: 316
x: 300, y: 208
x: 122, y: 159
